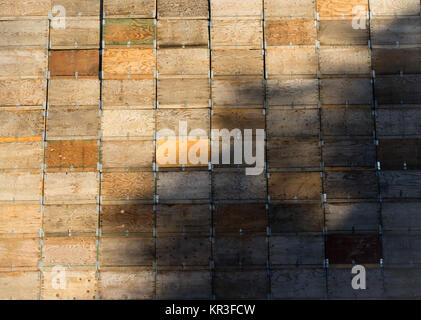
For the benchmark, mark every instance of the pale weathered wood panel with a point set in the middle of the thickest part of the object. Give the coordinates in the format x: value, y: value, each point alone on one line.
x: 132, y: 93
x: 68, y: 92
x: 339, y: 8
x: 20, y: 252
x: 231, y: 62
x: 173, y: 33
x: 77, y: 8
x: 128, y: 123
x: 127, y: 154
x: 346, y: 91
x: 21, y: 123
x: 234, y: 8
x: 238, y: 92
x: 183, y: 9
x: 127, y: 186
x: 20, y: 186
x: 138, y: 8
x: 21, y: 155
x: 289, y: 8
x: 237, y: 33
x: 19, y: 285
x: 395, y: 7
x: 301, y: 60
x: 290, y: 32
x: 23, y: 92
x: 20, y: 219
x: 129, y: 32
x: 71, y: 123
x: 341, y: 32
x: 79, y: 33
x: 23, y: 63
x: 335, y: 60
x: 183, y: 93
x: 69, y: 251
x: 25, y: 33
x: 292, y: 92
x: 24, y: 7
x: 183, y: 61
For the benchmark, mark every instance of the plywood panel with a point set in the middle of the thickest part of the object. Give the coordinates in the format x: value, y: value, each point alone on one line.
x: 339, y: 8
x: 23, y: 63
x: 400, y: 184
x: 349, y: 153
x: 243, y: 119
x: 19, y: 252
x: 236, y: 185
x: 183, y: 218
x: 24, y: 92
x: 238, y: 92
x: 25, y: 33
x: 126, y: 251
x: 71, y: 186
x: 293, y: 123
x: 402, y: 282
x: 289, y: 185
x: 130, y: 284
x: 341, y: 32
x: 351, y: 185
x: 246, y: 284
x: 183, y: 93
x: 296, y: 250
x: 236, y: 33
x: 183, y: 9
x: 396, y: 31
x: 183, y: 186
x: 334, y: 60
x: 127, y: 154
x: 128, y: 123
x: 74, y: 62
x: 133, y: 93
x: 127, y: 218
x: 301, y: 60
x: 21, y: 123
x: 20, y: 186
x: 65, y: 251
x: 293, y: 154
x: 127, y: 185
x: 79, y: 7
x: 170, y: 119
x: 395, y: 154
x: 290, y: 32
x: 67, y: 92
x: 401, y: 215
x: 288, y: 8
x: 21, y: 155
x: 183, y: 285
x: 237, y: 62
x: 71, y: 123
x: 24, y: 7
x: 352, y: 216
x: 234, y: 8
x: 19, y: 285
x: 79, y: 285
x: 239, y: 217
x: 401, y: 249
x: 346, y: 90
x: 183, y: 251
x: 79, y: 33
x: 284, y: 218
x: 403, y: 121
x: 75, y: 154
x: 346, y: 249
x: 75, y: 218
x: 395, y: 7
x: 292, y: 92
x: 183, y: 61
x: 130, y: 32
x: 124, y: 63
x: 20, y: 219
x: 394, y: 60
x: 398, y: 89
x: 173, y: 33
x: 138, y: 8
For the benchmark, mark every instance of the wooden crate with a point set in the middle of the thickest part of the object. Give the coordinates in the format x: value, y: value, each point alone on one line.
x: 402, y: 282
x: 183, y: 61
x: 79, y: 284
x: 72, y: 123
x: 349, y: 153
x: 20, y: 186
x: 346, y: 91
x: 183, y: 9
x: 80, y: 32
x: 298, y: 283
x: 126, y: 123
x: 24, y: 33
x: 350, y: 121
x: 283, y: 92
x: 237, y: 62
x: 236, y: 185
x: 331, y: 9
x: 68, y: 92
x: 71, y: 187
x: 79, y: 7
x: 241, y: 284
x: 21, y: 155
x: 122, y: 284
x: 178, y: 33
x: 74, y: 63
x: 127, y: 154
x: 240, y: 250
x: 18, y: 285
x: 401, y: 249
x: 74, y: 251
x: 234, y: 33
x: 235, y: 8
x: 132, y: 93
x: 183, y: 93
x: 20, y: 252
x: 134, y: 8
x: 127, y: 218
x: 78, y: 218
x: 23, y: 92
x: 126, y: 251
x: 341, y: 32
x: 25, y: 219
x: 295, y: 186
x: 129, y: 32
x: 183, y: 284
x: 336, y: 60
x: 398, y: 89
x: 239, y: 217
x: 302, y: 123
x: 127, y: 186
x: 286, y: 218
x: 363, y: 216
x: 128, y: 63
x: 23, y: 63
x: 175, y: 186
x: 393, y: 60
x: 347, y: 249
x: 301, y: 60
x: 402, y: 31
x: 394, y: 7
x: 183, y: 218
x: 398, y: 154
x: 281, y: 32
x: 26, y: 124
x: 402, y: 216
x: 184, y: 250
x: 296, y: 250
x: 400, y: 184
x: 24, y: 7
x: 399, y: 122
x: 293, y: 154
x: 77, y: 154
x: 294, y: 8
x: 238, y: 92
x: 351, y: 185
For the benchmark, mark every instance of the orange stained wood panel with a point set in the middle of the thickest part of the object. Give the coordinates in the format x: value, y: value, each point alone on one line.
x: 68, y: 62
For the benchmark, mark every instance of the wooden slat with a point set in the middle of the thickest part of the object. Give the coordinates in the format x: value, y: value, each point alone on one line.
x: 301, y: 60
x: 180, y: 218
x: 128, y: 123
x: 252, y: 119
x: 183, y: 61
x: 347, y: 249
x: 237, y: 33
x: 170, y: 119
x: 393, y: 31
x: 245, y: 284
x: 64, y: 251
x: 293, y: 154
x: 183, y: 285
x: 72, y: 62
x: 400, y: 184
x: 23, y: 63
x: 20, y: 186
x: 352, y: 216
x: 23, y: 92
x: 173, y: 33
x: 127, y: 218
x: 398, y: 89
x: 127, y: 185
x: 293, y: 123
x: 401, y: 249
x: 127, y: 154
x: 236, y: 185
x: 25, y: 33
x: 393, y: 60
x: 290, y: 32
x: 25, y: 123
x: 21, y: 155
x: 20, y: 219
x: 75, y: 154
x: 402, y: 282
x: 132, y: 93
x: 24, y: 7
x: 231, y: 62
x: 68, y: 92
x: 401, y: 216
x: 79, y: 33
x: 183, y: 186
x: 129, y: 32
x: 19, y: 285
x: 397, y: 154
x: 239, y: 217
x: 335, y: 60
x: 292, y: 92
x: 339, y: 8
x: 19, y: 252
x: 341, y: 32
x: 183, y: 251
x: 234, y: 8
x: 395, y: 7
x: 184, y: 9
x: 296, y: 250
x: 292, y: 8
x: 71, y: 123
x: 137, y: 8
x: 183, y: 93
x: 351, y: 185
x: 346, y: 90
x: 288, y: 185
x: 285, y: 218
x: 123, y: 63
x: 239, y: 92
x: 349, y: 153
x: 402, y: 122
x: 76, y: 8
